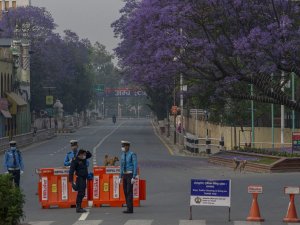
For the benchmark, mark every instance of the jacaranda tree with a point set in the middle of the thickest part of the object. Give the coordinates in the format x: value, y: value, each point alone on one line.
x: 231, y: 43
x: 65, y: 62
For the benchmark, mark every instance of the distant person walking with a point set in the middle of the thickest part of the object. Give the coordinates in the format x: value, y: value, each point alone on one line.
x: 114, y: 119
x: 128, y: 173
x: 13, y: 162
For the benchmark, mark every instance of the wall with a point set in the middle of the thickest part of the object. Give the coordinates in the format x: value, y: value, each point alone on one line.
x: 234, y: 136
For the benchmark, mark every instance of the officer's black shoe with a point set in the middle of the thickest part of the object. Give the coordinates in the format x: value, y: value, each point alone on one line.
x: 80, y: 210
x: 127, y: 211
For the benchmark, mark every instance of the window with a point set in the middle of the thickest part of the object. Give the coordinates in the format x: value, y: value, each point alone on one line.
x: 14, y: 4
x: 6, y: 5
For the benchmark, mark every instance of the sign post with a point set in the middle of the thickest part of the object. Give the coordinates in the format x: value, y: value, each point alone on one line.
x: 49, y: 100
x: 210, y: 193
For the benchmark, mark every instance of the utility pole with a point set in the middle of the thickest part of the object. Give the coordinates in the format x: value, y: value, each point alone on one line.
x: 138, y: 108
x: 282, y: 114
x: 181, y: 102
x: 181, y: 92
x: 252, y: 119
x: 175, y: 113
x: 103, y: 108
x: 272, y: 112
x: 293, y: 98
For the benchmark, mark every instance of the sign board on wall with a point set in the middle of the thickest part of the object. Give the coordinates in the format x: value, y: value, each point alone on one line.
x: 296, y: 141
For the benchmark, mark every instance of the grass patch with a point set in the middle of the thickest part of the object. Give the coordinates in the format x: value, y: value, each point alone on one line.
x: 267, y: 161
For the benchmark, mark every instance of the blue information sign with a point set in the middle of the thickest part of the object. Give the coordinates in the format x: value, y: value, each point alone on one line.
x: 210, y: 192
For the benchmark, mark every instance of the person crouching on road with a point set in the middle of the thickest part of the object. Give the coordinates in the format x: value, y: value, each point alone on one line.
x: 13, y: 162
x: 80, y: 168
x: 128, y: 174
x: 72, y: 154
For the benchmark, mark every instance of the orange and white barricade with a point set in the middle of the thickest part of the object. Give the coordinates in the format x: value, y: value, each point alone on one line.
x: 54, y: 189
x: 108, y: 192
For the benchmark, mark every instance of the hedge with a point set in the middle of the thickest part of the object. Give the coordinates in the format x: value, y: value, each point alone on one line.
x: 269, y: 152
x: 11, y: 202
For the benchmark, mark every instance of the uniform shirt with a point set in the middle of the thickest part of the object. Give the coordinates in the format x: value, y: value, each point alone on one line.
x: 79, y: 166
x: 130, y: 165
x: 69, y: 157
x: 13, y: 160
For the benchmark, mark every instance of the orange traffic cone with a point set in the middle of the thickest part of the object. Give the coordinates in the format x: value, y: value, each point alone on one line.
x: 291, y: 215
x: 254, y: 214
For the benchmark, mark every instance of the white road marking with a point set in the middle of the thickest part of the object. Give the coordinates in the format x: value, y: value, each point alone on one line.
x: 41, y: 223
x: 246, y: 223
x: 88, y: 222
x: 101, y: 142
x: 192, y: 222
x: 84, y: 216
x: 139, y: 222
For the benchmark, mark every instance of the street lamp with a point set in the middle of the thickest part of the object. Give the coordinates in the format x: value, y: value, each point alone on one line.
x: 207, y: 142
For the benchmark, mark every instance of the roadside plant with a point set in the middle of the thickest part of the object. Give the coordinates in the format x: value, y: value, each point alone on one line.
x: 11, y: 202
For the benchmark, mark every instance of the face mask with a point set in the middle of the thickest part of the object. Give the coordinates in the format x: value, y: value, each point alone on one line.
x: 84, y: 157
x: 123, y: 149
x: 13, y: 148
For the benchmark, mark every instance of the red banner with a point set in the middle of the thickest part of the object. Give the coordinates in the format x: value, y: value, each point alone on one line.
x: 124, y: 92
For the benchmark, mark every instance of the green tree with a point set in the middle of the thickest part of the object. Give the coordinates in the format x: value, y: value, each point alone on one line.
x: 11, y: 202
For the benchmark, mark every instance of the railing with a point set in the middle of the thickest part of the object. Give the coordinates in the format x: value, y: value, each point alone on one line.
x: 209, y: 145
x: 28, y: 138
x: 189, y: 141
x: 266, y: 145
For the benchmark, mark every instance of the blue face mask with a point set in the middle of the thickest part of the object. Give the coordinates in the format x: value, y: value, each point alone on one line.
x: 13, y: 148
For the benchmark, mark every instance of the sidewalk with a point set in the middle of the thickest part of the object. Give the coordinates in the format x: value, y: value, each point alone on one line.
x: 177, y: 149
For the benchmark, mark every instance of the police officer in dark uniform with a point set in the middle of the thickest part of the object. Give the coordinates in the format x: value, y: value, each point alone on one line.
x: 80, y: 167
x: 128, y: 173
x: 13, y: 162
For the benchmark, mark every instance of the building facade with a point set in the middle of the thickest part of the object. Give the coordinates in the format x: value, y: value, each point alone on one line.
x: 14, y: 88
x: 6, y: 80
x: 6, y: 4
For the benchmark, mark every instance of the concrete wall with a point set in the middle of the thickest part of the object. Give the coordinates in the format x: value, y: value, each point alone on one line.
x: 27, y: 139
x: 235, y: 137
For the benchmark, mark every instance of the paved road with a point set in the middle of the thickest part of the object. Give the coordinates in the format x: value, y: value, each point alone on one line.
x: 168, y: 181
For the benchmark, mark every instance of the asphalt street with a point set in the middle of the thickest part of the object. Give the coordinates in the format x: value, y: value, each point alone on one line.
x: 168, y: 181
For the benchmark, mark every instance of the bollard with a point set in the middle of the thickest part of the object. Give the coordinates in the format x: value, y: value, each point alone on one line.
x: 254, y: 214
x: 208, y: 142
x: 291, y: 215
x: 221, y: 144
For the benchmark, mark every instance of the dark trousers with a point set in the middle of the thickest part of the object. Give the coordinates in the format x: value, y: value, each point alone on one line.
x: 16, y: 176
x: 81, y: 186
x: 128, y: 191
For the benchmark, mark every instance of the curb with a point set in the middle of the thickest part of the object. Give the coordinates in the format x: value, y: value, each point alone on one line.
x: 176, y: 150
